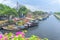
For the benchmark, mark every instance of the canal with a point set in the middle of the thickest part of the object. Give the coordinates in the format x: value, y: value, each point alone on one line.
x: 49, y: 28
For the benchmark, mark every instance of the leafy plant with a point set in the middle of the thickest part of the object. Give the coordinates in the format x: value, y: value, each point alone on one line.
x: 33, y: 37
x: 19, y: 36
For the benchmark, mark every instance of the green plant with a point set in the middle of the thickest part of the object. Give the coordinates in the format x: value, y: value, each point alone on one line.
x: 45, y: 38
x: 33, y: 37
x: 18, y: 36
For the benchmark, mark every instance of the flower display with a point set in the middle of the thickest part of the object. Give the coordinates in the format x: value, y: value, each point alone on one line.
x: 19, y: 36
x: 20, y: 33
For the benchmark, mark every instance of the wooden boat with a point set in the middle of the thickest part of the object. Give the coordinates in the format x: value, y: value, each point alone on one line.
x: 11, y: 27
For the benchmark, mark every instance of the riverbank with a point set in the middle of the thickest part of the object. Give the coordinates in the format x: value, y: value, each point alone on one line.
x: 43, y: 17
x: 57, y: 16
x: 23, y: 23
x: 13, y: 31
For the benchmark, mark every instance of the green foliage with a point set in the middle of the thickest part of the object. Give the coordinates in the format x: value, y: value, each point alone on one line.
x: 19, y: 37
x: 9, y: 35
x: 10, y: 21
x: 57, y: 13
x: 15, y: 38
x: 6, y: 10
x: 45, y: 38
x: 33, y: 37
x: 23, y: 10
x: 39, y: 13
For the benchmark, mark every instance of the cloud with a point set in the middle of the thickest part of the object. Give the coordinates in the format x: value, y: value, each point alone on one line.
x: 8, y: 2
x: 35, y: 8
x: 46, y: 5
x: 55, y: 1
x: 32, y: 8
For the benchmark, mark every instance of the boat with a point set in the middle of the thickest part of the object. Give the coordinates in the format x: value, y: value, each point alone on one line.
x: 29, y: 24
x: 33, y: 23
x: 26, y: 26
x: 10, y: 29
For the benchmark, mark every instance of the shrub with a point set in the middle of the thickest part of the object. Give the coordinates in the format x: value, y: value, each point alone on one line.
x: 18, y: 36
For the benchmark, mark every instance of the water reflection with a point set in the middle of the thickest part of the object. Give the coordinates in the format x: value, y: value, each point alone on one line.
x: 49, y: 28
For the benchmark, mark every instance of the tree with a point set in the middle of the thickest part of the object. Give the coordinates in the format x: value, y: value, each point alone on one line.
x: 38, y: 12
x: 57, y: 13
x: 7, y: 11
x: 22, y: 11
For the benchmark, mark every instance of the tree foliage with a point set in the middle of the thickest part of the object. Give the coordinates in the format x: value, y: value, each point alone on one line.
x: 39, y: 12
x: 6, y: 10
x: 23, y: 10
x: 57, y: 13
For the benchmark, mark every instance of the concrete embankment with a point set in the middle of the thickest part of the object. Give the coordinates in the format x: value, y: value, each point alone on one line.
x: 57, y: 16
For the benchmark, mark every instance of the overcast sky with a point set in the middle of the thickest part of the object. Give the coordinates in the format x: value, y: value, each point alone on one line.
x: 45, y: 5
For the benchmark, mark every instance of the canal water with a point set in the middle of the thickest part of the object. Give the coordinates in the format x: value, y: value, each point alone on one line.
x: 49, y: 28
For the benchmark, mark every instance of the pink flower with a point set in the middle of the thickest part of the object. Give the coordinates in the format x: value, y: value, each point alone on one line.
x: 20, y: 33
x: 1, y: 36
x: 5, y: 38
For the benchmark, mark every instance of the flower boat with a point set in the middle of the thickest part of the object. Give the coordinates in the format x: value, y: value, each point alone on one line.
x: 11, y: 27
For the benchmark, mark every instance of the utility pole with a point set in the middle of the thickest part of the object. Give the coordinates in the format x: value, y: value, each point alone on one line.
x: 17, y: 6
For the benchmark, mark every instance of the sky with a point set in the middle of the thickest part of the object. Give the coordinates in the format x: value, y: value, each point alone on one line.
x: 42, y: 5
